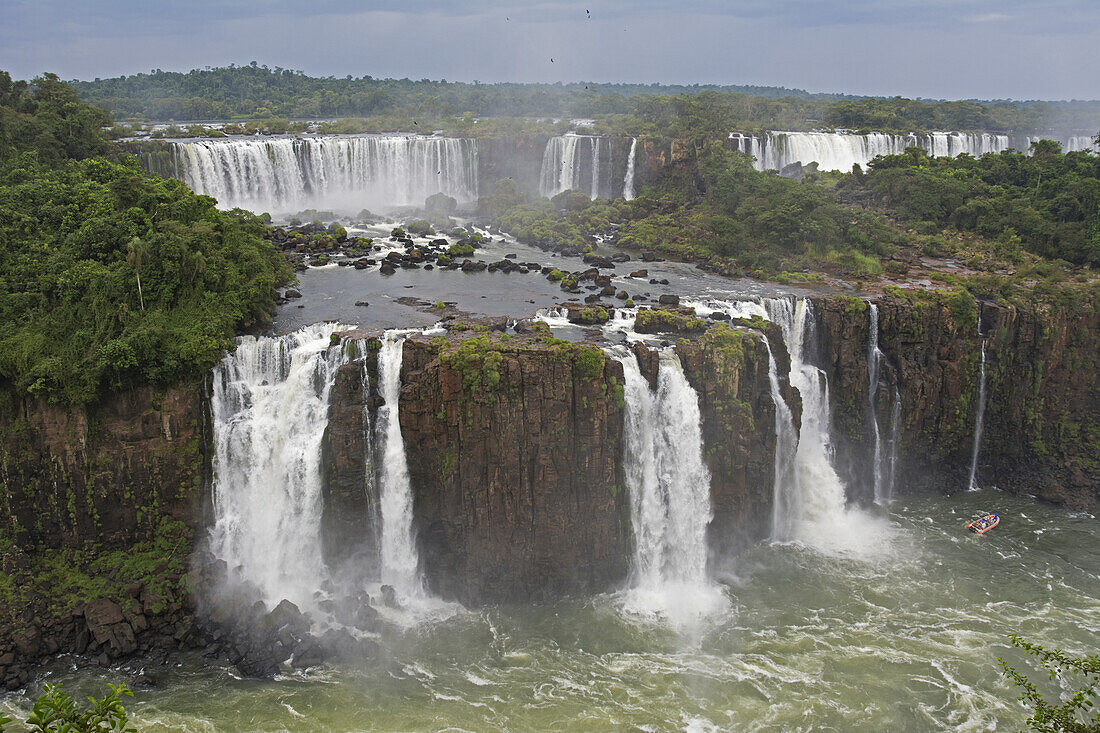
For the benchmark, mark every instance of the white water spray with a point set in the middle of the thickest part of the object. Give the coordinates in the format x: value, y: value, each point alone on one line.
x: 347, y: 173
x: 841, y: 150
x: 270, y: 410
x: 669, y: 487
x: 972, y: 482
x: 628, y: 179
x: 400, y: 560
x: 595, y: 169
x: 882, y: 473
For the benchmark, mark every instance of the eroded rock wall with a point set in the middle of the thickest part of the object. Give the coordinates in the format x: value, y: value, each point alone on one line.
x: 515, y: 458
x: 104, y: 474
x: 1042, y: 414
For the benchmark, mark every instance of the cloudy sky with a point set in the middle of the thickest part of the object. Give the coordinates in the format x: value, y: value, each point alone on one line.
x: 1022, y: 49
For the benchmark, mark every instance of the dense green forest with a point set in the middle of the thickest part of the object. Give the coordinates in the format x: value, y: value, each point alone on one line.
x: 257, y: 92
x: 1047, y: 202
x: 1012, y: 218
x: 111, y: 277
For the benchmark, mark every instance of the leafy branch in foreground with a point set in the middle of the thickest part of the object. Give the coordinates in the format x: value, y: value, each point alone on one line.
x: 1071, y: 716
x: 55, y: 712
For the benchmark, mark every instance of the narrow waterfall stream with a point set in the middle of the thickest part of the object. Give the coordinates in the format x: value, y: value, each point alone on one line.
x: 882, y: 467
x: 270, y: 409
x: 628, y: 179
x: 669, y: 487
x: 400, y: 560
x: 595, y: 191
x: 979, y: 420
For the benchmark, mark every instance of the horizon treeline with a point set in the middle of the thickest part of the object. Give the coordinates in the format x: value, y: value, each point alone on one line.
x: 258, y: 92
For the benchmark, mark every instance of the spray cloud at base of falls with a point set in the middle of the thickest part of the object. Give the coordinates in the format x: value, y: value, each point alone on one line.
x: 347, y: 173
x: 669, y: 487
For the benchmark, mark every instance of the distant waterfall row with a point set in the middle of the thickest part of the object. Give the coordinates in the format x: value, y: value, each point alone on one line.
x: 841, y: 150
x: 270, y: 407
x: 584, y: 163
x: 287, y: 175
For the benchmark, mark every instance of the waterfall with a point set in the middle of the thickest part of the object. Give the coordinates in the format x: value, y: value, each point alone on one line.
x: 972, y: 483
x: 559, y: 165
x: 370, y: 489
x: 270, y: 403
x: 892, y: 461
x: 785, y: 490
x: 669, y: 487
x: 881, y: 472
x: 563, y: 164
x: 809, y: 496
x: 841, y: 150
x: 628, y: 179
x: 595, y: 168
x: 347, y: 173
x: 822, y: 495
x: 400, y: 560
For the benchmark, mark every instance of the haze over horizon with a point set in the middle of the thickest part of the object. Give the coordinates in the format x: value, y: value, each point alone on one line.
x: 984, y: 49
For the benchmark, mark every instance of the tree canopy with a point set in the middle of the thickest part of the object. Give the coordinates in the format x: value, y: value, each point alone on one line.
x: 79, y: 228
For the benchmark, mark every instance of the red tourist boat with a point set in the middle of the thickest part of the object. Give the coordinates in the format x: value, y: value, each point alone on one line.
x: 983, y: 525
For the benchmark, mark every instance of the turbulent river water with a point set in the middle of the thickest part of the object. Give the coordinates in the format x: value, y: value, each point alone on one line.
x: 900, y: 634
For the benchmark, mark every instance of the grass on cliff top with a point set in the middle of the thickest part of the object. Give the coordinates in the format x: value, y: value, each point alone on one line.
x: 479, y: 358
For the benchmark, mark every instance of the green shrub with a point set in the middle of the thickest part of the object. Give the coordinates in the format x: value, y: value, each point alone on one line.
x: 55, y: 712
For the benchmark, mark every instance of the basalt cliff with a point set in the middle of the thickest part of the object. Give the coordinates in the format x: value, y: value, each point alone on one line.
x: 515, y: 454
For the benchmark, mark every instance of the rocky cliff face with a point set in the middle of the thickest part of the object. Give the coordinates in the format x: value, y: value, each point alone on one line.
x: 518, y: 157
x: 105, y: 474
x: 100, y: 505
x: 1042, y: 397
x: 515, y: 458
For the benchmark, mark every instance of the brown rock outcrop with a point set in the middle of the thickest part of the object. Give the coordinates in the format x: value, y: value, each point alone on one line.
x: 514, y: 452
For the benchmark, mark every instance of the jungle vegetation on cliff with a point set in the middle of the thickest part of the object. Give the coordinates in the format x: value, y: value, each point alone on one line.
x: 110, y: 277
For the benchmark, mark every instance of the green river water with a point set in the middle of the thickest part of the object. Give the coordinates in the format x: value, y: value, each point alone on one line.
x: 902, y: 635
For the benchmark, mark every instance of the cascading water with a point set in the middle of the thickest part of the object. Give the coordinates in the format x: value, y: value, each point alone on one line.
x: 669, y: 487
x: 559, y: 165
x: 881, y: 471
x: 785, y: 491
x: 370, y: 488
x: 563, y: 164
x: 786, y: 494
x: 895, y: 427
x: 347, y: 173
x: 628, y: 179
x: 595, y: 194
x: 270, y: 409
x: 972, y: 482
x: 809, y: 495
x: 822, y: 495
x: 400, y: 560
x: 841, y: 150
